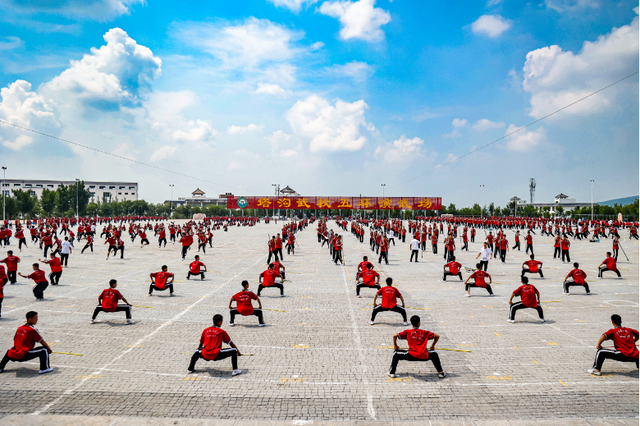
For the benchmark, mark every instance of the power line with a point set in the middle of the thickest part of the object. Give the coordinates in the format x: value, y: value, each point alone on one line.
x: 112, y: 154
x: 517, y: 130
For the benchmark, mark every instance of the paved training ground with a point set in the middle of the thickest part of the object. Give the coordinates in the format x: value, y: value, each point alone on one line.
x: 321, y: 360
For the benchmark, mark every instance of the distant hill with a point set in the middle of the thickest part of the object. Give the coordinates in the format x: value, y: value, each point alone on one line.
x: 619, y: 201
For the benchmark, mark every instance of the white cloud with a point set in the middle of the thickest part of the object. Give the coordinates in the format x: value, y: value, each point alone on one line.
x: 288, y: 153
x: 402, y: 149
x: 270, y: 89
x: 292, y: 5
x: 234, y: 130
x: 233, y: 165
x: 278, y: 137
x: 571, y: 5
x: 484, y: 124
x: 24, y: 108
x: 359, y: 19
x: 359, y: 71
x: 199, y: 131
x: 11, y: 43
x: 493, y: 3
x: 115, y: 75
x: 99, y: 10
x: 164, y: 152
x: 490, y: 25
x: 524, y: 140
x: 458, y: 123
x: 330, y: 128
x: 555, y: 78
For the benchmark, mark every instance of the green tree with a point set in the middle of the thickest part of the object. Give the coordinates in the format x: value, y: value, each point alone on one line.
x: 25, y: 201
x: 48, y: 202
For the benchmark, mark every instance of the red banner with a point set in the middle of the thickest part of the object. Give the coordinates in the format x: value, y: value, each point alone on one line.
x: 343, y: 203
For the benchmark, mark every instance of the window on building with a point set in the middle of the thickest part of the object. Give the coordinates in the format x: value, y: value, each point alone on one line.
x: 6, y: 193
x: 49, y: 186
x: 102, y: 187
x: 122, y: 187
x: 38, y: 186
x: 27, y: 185
x: 92, y: 194
x: 92, y: 186
x: 112, y: 187
x: 16, y: 185
x: 119, y: 193
x: 32, y: 193
x: 126, y: 193
x: 106, y: 194
x: 132, y: 187
x: 6, y: 184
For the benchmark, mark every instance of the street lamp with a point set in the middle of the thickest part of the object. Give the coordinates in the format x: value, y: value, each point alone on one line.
x: 383, y: 185
x: 4, y: 171
x: 77, y: 185
x: 592, y: 200
x: 481, y: 196
x: 515, y: 205
x: 171, y: 200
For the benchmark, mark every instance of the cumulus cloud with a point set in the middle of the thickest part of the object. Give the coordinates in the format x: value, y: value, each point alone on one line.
x: 484, y: 124
x: 359, y: 19
x: 24, y: 108
x: 401, y: 149
x: 198, y: 131
x: 330, y: 127
x: 555, y: 78
x: 359, y: 71
x: 270, y: 89
x: 277, y: 138
x: 164, y: 152
x: 234, y: 130
x: 99, y: 10
x: 524, y: 140
x: 490, y: 25
x: 571, y: 5
x: 292, y: 5
x: 117, y: 74
x: 458, y: 123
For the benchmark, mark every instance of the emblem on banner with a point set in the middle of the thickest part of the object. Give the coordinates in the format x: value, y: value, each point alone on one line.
x: 243, y: 202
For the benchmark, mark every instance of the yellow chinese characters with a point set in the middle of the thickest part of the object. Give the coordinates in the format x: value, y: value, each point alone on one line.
x: 404, y: 204
x: 364, y: 203
x: 284, y: 203
x: 386, y: 203
x: 264, y: 202
x: 425, y: 203
x: 344, y: 203
x: 324, y: 202
x: 302, y: 202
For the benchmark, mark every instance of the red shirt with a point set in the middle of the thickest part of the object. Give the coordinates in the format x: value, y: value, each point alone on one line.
x: 160, y: 279
x: 369, y: 277
x: 211, y: 342
x: 38, y: 276
x: 611, y: 263
x: 195, y: 266
x: 564, y: 245
x: 187, y: 240
x: 533, y: 265
x: 111, y: 241
x: 12, y: 263
x: 243, y: 301
x: 24, y: 340
x: 389, y: 295
x: 277, y: 266
x: 417, y: 340
x: 623, y: 340
x: 110, y: 297
x: 527, y: 293
x: 362, y: 266
x: 278, y: 243
x: 3, y: 274
x: 269, y: 277
x: 454, y: 267
x: 578, y: 276
x: 529, y: 239
x: 54, y: 264
x: 478, y: 277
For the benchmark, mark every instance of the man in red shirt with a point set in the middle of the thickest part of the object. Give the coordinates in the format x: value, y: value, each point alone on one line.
x: 56, y: 268
x: 3, y: 282
x: 279, y: 247
x: 195, y: 268
x: 186, y: 242
x: 143, y: 239
x: 418, y: 342
x: 384, y: 250
x: 39, y: 278
x: 112, y: 245
x: 12, y: 266
x: 108, y: 302
x: 389, y: 295
x: 452, y: 269
x: 243, y: 305
x: 279, y: 268
x: 370, y: 279
x: 159, y: 281
x: 268, y: 279
x: 479, y: 277
x: 364, y: 264
x: 529, y: 240
x: 24, y: 342
x: 272, y: 249
x: 577, y: 279
x: 530, y: 298
x: 210, y: 348
x: 624, y: 340
x: 89, y: 244
x: 532, y: 266
x: 564, y: 247
x: 609, y: 264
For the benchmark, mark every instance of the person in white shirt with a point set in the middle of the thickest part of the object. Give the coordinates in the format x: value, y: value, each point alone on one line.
x: 65, y: 251
x: 415, y: 247
x: 390, y: 236
x: 486, y: 255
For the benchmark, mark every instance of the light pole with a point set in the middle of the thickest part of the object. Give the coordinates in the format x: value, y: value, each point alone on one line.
x: 481, y: 196
x: 77, y: 185
x: 592, y: 200
x: 383, y: 185
x: 273, y: 211
x: 4, y: 171
x: 515, y: 205
x: 171, y: 200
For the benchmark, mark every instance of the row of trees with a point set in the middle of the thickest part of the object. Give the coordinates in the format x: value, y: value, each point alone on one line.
x: 61, y: 202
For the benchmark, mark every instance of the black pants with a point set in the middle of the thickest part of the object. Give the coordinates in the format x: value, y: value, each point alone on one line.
x: 153, y: 287
x: 121, y: 250
x: 465, y: 246
x: 484, y: 265
x: 519, y: 305
x: 40, y: 352
x: 434, y: 248
x: 606, y: 353
x: 172, y: 237
x: 144, y: 240
x: 21, y: 242
x: 361, y: 285
x: 161, y: 240
x: 64, y: 259
x: 398, y: 309
x: 526, y: 270
x: 276, y: 285
x: 469, y: 286
x: 604, y: 268
x: 274, y: 254
x: 615, y: 254
x: 337, y: 256
x: 529, y: 247
x: 119, y: 308
x: 110, y: 249
x: 403, y: 355
x: 290, y: 248
x: 54, y: 277
x: 517, y: 245
x: 383, y: 255
x: 12, y: 276
x: 256, y: 312
x: 38, y: 290
x: 556, y: 252
x: 565, y: 253
x: 46, y: 250
x: 414, y: 253
x: 503, y: 255
x: 195, y: 274
x: 203, y: 246
x: 184, y: 251
x: 279, y: 252
x: 224, y: 353
x: 90, y: 245
x: 449, y: 274
x: 573, y: 284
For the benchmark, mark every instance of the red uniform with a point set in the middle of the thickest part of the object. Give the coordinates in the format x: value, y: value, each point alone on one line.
x: 269, y: 277
x: 243, y: 300
x: 194, y: 267
x: 417, y: 340
x: 109, y: 299
x: 369, y: 277
x: 24, y: 340
x: 479, y: 278
x: 533, y: 265
x: 623, y: 340
x: 54, y: 264
x: 211, y: 342
x: 454, y: 267
x: 389, y: 295
x: 527, y: 293
x: 160, y: 279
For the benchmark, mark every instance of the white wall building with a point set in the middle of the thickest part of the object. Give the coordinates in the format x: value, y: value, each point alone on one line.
x: 100, y: 191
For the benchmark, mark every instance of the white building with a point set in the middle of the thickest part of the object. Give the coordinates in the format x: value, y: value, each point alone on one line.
x: 100, y: 191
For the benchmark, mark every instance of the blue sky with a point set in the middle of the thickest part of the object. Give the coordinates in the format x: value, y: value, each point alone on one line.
x: 330, y: 97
